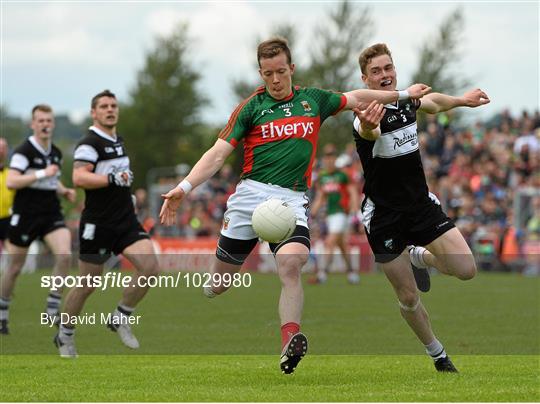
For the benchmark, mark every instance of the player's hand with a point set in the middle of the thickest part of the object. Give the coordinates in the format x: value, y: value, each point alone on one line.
x: 475, y: 98
x: 70, y: 194
x: 121, y: 178
x: 371, y: 116
x: 52, y: 170
x: 417, y: 91
x: 171, y: 203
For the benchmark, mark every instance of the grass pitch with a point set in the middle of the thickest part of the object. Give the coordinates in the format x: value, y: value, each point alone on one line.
x: 226, y: 349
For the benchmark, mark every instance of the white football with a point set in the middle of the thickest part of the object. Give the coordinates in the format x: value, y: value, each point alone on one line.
x: 273, y: 220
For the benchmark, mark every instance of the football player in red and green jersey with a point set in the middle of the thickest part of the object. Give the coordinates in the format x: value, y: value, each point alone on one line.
x: 279, y: 124
x: 336, y: 190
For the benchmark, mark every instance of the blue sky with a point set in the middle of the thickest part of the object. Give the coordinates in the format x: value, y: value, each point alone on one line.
x: 62, y: 53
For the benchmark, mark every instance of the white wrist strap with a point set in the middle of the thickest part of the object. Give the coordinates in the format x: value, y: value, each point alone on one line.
x: 185, y: 186
x: 403, y: 95
x: 40, y: 174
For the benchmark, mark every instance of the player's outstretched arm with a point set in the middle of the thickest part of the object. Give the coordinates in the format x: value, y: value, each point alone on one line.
x: 16, y: 180
x: 437, y: 102
x: 363, y: 96
x: 206, y: 167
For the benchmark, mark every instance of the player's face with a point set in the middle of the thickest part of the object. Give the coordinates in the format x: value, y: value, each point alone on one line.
x: 329, y: 162
x: 277, y: 75
x: 42, y: 124
x: 381, y: 74
x: 105, y: 113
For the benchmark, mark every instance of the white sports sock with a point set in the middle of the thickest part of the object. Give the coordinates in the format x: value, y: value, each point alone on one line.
x: 435, y: 349
x: 208, y: 292
x: 123, y: 310
x: 53, y: 303
x: 416, y: 255
x: 4, y: 309
x: 65, y: 332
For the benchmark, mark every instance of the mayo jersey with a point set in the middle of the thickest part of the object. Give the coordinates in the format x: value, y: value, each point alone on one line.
x: 280, y: 137
x: 334, y: 186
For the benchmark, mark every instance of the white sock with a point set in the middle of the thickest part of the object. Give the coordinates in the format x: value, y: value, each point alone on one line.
x: 66, y: 332
x: 416, y: 255
x: 435, y: 349
x: 4, y: 309
x: 208, y: 292
x: 53, y: 303
x: 123, y: 311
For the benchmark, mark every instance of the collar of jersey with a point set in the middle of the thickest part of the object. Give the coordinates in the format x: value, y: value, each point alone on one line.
x: 393, y: 105
x: 103, y: 134
x: 40, y: 149
x: 287, y: 98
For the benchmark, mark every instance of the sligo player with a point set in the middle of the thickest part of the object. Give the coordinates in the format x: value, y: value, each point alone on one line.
x: 279, y: 124
x: 33, y: 174
x: 398, y: 210
x: 108, y: 221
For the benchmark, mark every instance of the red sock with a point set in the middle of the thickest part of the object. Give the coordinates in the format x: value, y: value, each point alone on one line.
x: 287, y: 331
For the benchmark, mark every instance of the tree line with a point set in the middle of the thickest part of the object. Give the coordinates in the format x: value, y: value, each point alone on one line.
x: 162, y: 116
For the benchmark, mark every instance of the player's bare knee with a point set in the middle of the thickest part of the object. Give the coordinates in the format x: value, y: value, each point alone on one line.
x: 468, y: 272
x: 85, y: 291
x: 408, y: 300
x: 291, y: 267
x: 293, y: 262
x: 63, y: 259
x: 14, y: 269
x: 152, y: 269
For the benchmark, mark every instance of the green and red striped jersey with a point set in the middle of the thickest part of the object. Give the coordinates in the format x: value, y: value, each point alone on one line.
x: 334, y: 185
x: 280, y: 137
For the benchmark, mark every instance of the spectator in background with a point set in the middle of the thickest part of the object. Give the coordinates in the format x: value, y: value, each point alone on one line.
x: 6, y: 194
x: 339, y: 195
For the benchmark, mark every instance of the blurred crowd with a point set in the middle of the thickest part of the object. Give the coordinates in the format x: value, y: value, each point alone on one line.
x: 481, y: 173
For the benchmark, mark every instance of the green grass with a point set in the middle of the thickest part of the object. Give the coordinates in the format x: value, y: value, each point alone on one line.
x: 255, y: 378
x: 225, y: 349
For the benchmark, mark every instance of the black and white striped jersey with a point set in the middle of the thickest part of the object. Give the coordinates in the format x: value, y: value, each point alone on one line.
x: 108, y: 155
x: 39, y: 197
x: 393, y: 171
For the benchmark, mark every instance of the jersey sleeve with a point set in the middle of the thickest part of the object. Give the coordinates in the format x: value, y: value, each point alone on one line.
x: 85, y: 152
x: 19, y: 162
x: 330, y: 103
x: 239, y: 124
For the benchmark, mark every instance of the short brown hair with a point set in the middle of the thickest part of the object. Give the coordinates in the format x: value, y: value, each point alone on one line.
x: 273, y: 47
x: 42, y: 108
x: 373, y: 51
x: 104, y: 93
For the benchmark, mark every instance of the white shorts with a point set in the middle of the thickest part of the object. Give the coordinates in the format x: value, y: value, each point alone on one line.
x: 248, y: 195
x: 337, y: 223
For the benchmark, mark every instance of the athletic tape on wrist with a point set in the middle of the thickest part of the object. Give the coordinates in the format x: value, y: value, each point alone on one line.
x: 185, y: 186
x: 403, y: 95
x: 40, y: 174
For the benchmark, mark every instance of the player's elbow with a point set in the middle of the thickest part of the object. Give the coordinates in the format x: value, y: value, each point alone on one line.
x: 77, y: 179
x: 11, y: 184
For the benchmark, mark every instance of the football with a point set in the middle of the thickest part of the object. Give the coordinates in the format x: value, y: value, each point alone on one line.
x: 273, y: 220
